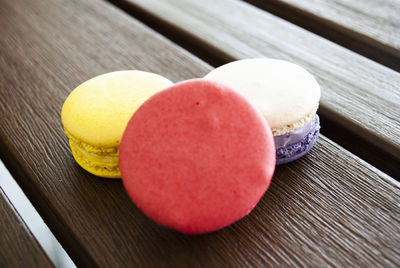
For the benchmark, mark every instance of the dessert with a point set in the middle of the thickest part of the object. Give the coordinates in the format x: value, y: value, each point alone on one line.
x: 95, y: 115
x: 196, y: 157
x: 286, y: 94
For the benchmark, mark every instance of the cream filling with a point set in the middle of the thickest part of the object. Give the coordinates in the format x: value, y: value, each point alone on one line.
x: 110, y: 170
x: 99, y: 161
x: 296, y: 125
x: 294, y: 136
x: 107, y: 160
x: 90, y: 148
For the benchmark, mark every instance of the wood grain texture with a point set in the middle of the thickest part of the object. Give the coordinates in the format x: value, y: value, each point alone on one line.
x: 371, y: 28
x: 378, y: 19
x: 327, y: 209
x: 358, y: 94
x: 18, y: 247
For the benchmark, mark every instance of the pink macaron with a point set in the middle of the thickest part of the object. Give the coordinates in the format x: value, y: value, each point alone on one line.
x: 197, y: 157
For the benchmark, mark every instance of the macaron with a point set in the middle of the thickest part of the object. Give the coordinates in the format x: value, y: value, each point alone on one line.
x: 95, y: 115
x: 197, y: 157
x: 286, y: 94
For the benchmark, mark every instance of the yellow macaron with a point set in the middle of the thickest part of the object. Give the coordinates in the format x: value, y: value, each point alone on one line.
x: 96, y: 113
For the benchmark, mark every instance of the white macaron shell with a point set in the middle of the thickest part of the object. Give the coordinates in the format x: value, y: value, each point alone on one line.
x: 284, y: 92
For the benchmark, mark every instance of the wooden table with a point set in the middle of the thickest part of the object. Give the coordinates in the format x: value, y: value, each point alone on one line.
x: 337, y: 206
x: 18, y: 246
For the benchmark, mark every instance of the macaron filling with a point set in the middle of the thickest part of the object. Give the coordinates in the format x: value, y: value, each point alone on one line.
x: 298, y: 142
x: 282, y: 129
x: 97, y: 160
x: 293, y: 136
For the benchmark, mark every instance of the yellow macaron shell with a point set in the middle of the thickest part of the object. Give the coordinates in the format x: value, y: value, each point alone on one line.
x: 95, y: 115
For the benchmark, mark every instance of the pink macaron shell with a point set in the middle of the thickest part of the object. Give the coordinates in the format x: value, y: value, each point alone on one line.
x: 196, y: 157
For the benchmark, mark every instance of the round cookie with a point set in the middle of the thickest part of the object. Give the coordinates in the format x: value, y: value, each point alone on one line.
x: 286, y: 94
x: 196, y: 157
x: 95, y: 114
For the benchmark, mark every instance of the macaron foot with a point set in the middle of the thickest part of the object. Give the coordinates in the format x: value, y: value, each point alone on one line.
x: 105, y: 166
x: 296, y: 150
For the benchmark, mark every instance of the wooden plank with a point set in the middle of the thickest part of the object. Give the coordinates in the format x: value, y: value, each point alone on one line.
x: 359, y: 97
x: 329, y: 208
x: 370, y: 28
x: 18, y: 247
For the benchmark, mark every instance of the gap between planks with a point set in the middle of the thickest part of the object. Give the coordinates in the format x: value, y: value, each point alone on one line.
x: 18, y: 246
x: 334, y: 31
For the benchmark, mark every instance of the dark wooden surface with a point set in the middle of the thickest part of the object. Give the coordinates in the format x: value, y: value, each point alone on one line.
x: 359, y: 97
x: 370, y: 28
x: 18, y: 247
x: 328, y: 209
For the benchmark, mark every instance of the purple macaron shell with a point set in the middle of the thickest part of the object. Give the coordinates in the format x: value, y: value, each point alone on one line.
x: 293, y: 151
